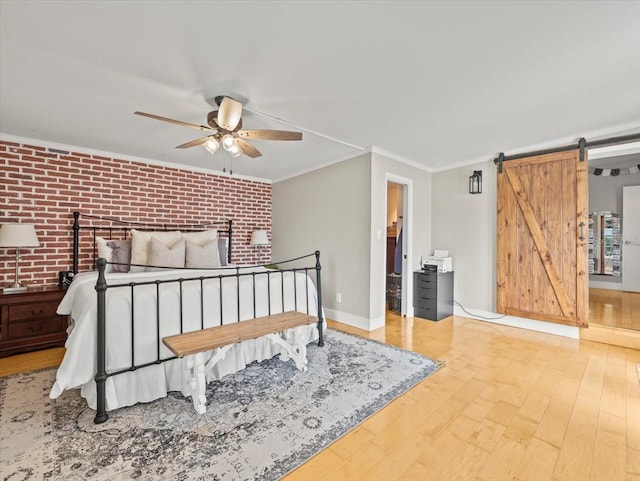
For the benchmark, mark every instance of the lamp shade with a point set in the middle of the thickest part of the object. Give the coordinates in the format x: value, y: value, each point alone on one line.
x: 18, y: 235
x: 259, y: 238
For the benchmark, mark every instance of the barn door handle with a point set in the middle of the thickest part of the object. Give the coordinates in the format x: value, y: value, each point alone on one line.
x: 581, y: 231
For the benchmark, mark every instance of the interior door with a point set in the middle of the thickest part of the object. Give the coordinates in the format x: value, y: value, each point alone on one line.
x: 542, y: 270
x: 631, y: 238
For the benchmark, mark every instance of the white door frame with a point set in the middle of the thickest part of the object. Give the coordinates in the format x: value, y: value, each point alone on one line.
x: 406, y: 306
x: 630, y: 247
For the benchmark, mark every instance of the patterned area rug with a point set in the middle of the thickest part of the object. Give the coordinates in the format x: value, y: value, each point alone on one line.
x: 260, y: 423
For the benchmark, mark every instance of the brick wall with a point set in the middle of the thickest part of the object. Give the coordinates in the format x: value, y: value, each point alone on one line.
x: 43, y: 186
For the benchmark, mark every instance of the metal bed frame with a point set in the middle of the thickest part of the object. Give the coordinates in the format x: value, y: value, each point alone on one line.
x: 102, y: 286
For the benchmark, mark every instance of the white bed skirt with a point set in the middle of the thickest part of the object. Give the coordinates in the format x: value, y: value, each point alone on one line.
x: 78, y: 366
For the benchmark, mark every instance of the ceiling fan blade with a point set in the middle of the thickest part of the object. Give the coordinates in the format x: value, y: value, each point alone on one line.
x: 270, y: 134
x: 172, y: 121
x: 193, y: 143
x: 229, y: 114
x: 211, y: 119
x: 247, y: 148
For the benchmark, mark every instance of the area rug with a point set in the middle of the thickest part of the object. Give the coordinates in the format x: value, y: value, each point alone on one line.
x: 260, y: 424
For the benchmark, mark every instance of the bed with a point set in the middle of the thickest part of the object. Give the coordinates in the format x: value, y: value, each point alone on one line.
x: 120, y: 311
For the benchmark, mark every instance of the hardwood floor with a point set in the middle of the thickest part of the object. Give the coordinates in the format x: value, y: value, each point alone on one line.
x: 614, y: 308
x: 510, y: 404
x: 31, y: 361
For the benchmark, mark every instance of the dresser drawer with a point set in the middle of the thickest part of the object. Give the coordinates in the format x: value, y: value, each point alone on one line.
x: 36, y: 327
x: 422, y: 299
x: 427, y: 313
x: 433, y: 295
x: 19, y: 312
x: 425, y: 282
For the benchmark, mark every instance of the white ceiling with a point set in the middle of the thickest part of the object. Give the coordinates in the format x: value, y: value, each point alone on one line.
x: 439, y: 84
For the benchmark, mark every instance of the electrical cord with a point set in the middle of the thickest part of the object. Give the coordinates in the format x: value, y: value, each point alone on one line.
x: 477, y: 315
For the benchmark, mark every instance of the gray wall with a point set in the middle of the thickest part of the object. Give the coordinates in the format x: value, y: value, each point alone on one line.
x: 605, y: 193
x: 420, y: 212
x: 329, y: 210
x: 339, y: 210
x: 465, y: 224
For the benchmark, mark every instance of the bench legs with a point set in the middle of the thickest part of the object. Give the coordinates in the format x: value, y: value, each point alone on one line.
x: 194, y: 384
x: 294, y: 348
x: 194, y: 374
x: 195, y: 370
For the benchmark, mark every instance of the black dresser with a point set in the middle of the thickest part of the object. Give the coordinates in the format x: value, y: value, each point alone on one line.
x: 433, y: 295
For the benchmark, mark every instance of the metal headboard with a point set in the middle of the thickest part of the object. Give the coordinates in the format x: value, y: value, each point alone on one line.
x: 116, y: 225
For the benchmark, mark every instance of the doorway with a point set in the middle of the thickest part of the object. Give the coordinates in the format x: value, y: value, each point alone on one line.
x: 398, y: 292
x: 614, y: 285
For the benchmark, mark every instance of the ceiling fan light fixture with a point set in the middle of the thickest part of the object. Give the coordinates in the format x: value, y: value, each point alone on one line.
x: 212, y: 145
x: 234, y: 150
x: 227, y: 142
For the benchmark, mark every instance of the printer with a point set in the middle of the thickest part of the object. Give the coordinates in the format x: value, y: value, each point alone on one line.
x: 438, y: 262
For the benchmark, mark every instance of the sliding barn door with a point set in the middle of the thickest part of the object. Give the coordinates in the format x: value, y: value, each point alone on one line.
x: 543, y: 236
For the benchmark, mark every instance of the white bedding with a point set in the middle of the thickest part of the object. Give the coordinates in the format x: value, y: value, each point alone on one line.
x: 143, y: 385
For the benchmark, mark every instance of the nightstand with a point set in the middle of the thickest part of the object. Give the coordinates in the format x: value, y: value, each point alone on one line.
x: 28, y: 320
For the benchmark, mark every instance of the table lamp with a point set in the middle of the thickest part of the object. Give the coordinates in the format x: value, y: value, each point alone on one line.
x: 17, y: 236
x: 259, y: 238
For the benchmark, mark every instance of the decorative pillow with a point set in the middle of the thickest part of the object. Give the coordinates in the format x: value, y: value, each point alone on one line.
x: 121, y: 251
x: 200, y: 256
x: 222, y: 249
x: 162, y: 255
x: 140, y: 245
x: 201, y: 237
x: 104, y: 251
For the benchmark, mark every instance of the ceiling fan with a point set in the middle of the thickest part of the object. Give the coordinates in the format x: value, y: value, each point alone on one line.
x: 225, y: 128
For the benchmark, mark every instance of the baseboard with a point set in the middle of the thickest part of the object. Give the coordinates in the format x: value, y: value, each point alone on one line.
x: 353, y: 320
x: 611, y: 335
x: 611, y: 286
x: 520, y: 322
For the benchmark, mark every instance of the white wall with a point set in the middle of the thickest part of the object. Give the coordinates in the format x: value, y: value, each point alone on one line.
x: 329, y: 210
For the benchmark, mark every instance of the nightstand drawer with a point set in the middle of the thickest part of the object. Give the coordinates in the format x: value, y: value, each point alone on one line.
x: 19, y: 312
x: 28, y: 320
x: 35, y: 327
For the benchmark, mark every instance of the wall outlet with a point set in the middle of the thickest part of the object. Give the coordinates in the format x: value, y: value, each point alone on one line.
x: 338, y: 297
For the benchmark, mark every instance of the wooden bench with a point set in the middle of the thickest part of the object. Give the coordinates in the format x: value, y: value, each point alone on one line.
x: 191, y: 347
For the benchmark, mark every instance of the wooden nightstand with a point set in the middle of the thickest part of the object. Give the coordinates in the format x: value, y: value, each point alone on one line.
x: 28, y: 320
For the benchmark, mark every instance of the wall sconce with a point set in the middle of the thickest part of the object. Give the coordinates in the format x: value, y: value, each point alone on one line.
x: 259, y: 238
x: 475, y: 182
x: 17, y: 236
